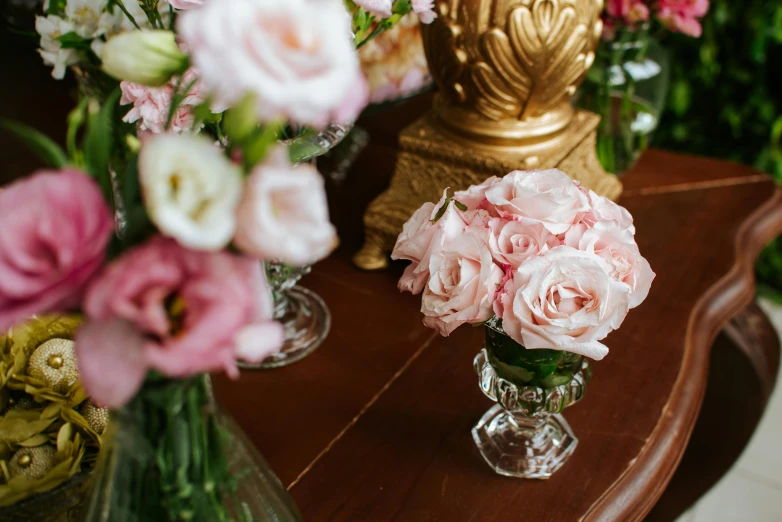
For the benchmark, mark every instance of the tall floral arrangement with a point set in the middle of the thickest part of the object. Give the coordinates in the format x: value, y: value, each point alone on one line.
x: 172, y: 190
x: 628, y: 84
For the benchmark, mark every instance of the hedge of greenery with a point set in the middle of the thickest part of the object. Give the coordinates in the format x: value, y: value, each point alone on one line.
x: 726, y: 98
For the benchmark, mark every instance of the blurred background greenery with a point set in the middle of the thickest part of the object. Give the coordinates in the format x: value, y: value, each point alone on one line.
x: 725, y: 99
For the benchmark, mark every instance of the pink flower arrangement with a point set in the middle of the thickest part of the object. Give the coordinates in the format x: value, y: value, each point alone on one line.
x: 151, y: 105
x: 177, y: 311
x: 556, y: 263
x: 682, y: 16
x: 54, y: 229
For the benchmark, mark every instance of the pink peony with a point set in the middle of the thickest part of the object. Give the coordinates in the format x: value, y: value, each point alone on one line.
x: 283, y: 214
x: 54, y: 229
x: 563, y: 300
x: 463, y: 283
x: 629, y: 11
x: 381, y: 8
x: 180, y: 312
x: 420, y: 239
x: 683, y: 15
x: 548, y: 197
x: 295, y: 56
x: 151, y: 105
x: 425, y: 10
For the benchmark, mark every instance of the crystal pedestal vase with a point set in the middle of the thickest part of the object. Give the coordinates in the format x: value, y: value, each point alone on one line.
x: 302, y: 313
x: 524, y: 434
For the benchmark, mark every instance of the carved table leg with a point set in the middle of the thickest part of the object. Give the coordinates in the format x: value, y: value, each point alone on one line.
x: 743, y: 370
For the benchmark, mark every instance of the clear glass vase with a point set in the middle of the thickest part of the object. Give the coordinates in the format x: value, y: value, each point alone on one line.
x: 628, y: 87
x: 524, y: 435
x: 302, y: 313
x: 173, y: 455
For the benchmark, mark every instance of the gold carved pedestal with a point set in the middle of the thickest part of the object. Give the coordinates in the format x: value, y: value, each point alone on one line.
x: 506, y: 72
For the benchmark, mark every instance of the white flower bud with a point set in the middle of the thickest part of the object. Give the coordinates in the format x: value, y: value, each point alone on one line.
x: 147, y: 57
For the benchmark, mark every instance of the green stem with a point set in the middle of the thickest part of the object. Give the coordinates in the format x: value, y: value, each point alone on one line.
x: 130, y: 17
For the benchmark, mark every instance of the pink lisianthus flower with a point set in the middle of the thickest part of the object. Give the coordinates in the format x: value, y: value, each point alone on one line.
x: 683, y: 15
x: 151, y: 105
x: 178, y: 311
x: 54, y: 229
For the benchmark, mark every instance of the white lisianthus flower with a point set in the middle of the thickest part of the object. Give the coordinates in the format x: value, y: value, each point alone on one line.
x: 145, y: 57
x: 50, y: 28
x: 89, y: 17
x: 190, y: 190
x: 296, y: 56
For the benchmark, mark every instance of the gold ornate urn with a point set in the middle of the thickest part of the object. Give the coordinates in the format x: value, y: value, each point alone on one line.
x: 506, y: 72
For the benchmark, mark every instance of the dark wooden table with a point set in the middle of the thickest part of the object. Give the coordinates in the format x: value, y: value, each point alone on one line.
x: 375, y: 425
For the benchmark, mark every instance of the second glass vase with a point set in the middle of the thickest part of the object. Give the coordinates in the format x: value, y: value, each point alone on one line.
x: 524, y: 435
x: 302, y: 313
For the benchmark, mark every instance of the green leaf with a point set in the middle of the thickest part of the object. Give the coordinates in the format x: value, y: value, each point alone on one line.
x: 99, y: 140
x: 76, y: 120
x: 441, y: 210
x: 45, y: 148
x: 256, y: 147
x: 461, y: 206
x: 72, y: 40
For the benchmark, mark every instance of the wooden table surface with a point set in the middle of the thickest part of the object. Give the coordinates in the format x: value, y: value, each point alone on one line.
x: 375, y: 425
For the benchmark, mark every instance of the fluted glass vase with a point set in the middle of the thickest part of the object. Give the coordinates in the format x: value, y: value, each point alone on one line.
x: 173, y: 455
x: 525, y: 435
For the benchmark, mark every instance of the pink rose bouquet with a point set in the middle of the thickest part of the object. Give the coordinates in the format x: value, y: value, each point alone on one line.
x: 553, y: 265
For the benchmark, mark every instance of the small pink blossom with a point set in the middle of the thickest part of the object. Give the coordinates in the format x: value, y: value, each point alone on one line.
x: 180, y: 312
x: 683, y: 15
x: 425, y: 10
x: 151, y: 105
x: 629, y: 11
x: 463, y: 283
x: 381, y: 8
x: 54, y: 229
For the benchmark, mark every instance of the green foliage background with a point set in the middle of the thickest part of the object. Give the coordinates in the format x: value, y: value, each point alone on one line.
x: 726, y: 98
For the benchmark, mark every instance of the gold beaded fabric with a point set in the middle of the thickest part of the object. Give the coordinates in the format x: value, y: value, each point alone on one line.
x: 49, y: 429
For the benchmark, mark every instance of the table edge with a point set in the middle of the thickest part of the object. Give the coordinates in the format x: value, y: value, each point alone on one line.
x: 633, y: 495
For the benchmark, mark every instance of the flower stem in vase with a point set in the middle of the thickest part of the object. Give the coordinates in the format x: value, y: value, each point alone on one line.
x: 524, y: 435
x: 303, y: 314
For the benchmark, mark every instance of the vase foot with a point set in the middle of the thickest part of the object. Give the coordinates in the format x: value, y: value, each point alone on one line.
x: 307, y: 322
x: 534, y: 447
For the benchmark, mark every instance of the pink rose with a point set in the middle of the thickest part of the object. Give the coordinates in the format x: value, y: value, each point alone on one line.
x: 425, y: 10
x: 151, y: 105
x: 563, y: 300
x: 630, y: 11
x: 512, y: 242
x: 463, y: 283
x: 682, y: 15
x: 603, y: 209
x: 283, y: 214
x: 475, y: 196
x: 180, y: 312
x: 186, y: 4
x: 54, y: 229
x: 617, y: 247
x: 420, y: 239
x: 381, y: 8
x: 295, y: 56
x: 548, y: 197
